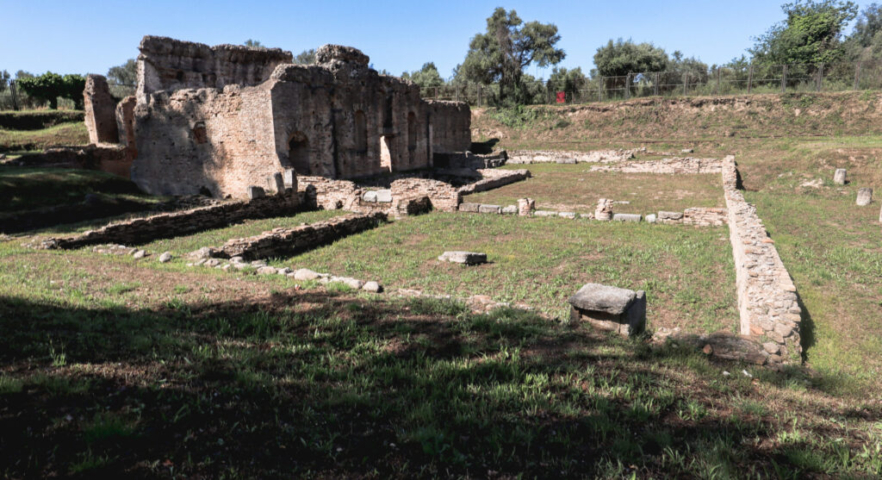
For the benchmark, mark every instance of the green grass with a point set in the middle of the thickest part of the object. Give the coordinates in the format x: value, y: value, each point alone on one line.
x: 687, y: 273
x: 575, y: 188
x: 30, y: 188
x: 59, y: 135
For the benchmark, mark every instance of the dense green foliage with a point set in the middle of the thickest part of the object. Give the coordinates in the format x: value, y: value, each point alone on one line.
x: 569, y: 81
x: 306, y: 57
x: 425, y: 77
x: 508, y: 46
x: 620, y: 58
x: 49, y: 86
x: 811, y: 33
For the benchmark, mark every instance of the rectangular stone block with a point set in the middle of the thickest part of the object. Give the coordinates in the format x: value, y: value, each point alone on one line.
x: 610, y: 308
x: 490, y: 209
x: 384, y: 196
x: 670, y: 215
x: 469, y: 207
x: 510, y: 210
x: 627, y: 217
x: 369, y: 196
x: 277, y: 182
x: 544, y: 213
x: 255, y: 192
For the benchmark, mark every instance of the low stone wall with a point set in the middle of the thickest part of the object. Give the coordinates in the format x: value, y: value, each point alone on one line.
x: 110, y: 158
x: 527, y: 157
x: 767, y: 300
x: 408, y: 196
x: 706, y: 217
x: 289, y: 241
x: 670, y: 166
x: 167, y: 225
x: 494, y: 179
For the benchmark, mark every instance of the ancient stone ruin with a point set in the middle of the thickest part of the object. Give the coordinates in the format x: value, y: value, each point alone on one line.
x: 217, y: 120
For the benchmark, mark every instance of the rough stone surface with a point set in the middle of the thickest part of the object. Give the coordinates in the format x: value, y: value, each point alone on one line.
x: 600, y: 156
x: 466, y: 258
x: 670, y: 166
x: 627, y: 217
x: 610, y: 308
x: 496, y: 209
x: 100, y: 110
x: 372, y: 287
x: 526, y: 206
x: 604, y: 210
x: 469, y: 207
x: 238, y: 115
x: 165, y: 257
x: 767, y: 300
x: 603, y: 298
x: 839, y: 177
x: 255, y: 192
x: 510, y: 210
x: 651, y: 218
x: 288, y: 241
x: 864, y: 197
x: 305, y: 274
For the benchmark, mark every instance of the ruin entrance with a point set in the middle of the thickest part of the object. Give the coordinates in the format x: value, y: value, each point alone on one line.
x: 385, y: 154
x: 298, y: 153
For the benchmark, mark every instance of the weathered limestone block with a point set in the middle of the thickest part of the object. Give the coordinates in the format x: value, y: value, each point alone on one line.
x: 864, y: 197
x: 510, y: 210
x: 670, y: 215
x: 469, y: 207
x: 526, y: 206
x: 277, y: 183
x: 567, y: 215
x: 628, y: 217
x: 255, y: 192
x: 610, y: 308
x: 544, y: 213
x: 290, y: 179
x: 651, y: 218
x: 496, y: 209
x: 604, y: 210
x: 465, y: 258
x: 384, y: 196
x: 100, y: 111
x: 839, y: 176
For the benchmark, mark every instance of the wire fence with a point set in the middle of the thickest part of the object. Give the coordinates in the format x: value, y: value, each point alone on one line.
x: 749, y: 79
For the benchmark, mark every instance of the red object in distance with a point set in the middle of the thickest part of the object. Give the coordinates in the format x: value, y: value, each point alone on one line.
x: 561, y: 97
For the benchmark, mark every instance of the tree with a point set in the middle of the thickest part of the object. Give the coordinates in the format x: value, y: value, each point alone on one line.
x: 4, y: 80
x: 569, y: 81
x: 253, y: 43
x: 869, y: 23
x: 306, y: 57
x: 694, y: 70
x: 810, y: 34
x: 125, y: 74
x: 507, y: 48
x: 425, y: 77
x: 619, y: 58
x: 49, y: 86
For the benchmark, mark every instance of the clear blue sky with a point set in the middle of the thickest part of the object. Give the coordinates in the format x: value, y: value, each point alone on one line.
x: 67, y: 36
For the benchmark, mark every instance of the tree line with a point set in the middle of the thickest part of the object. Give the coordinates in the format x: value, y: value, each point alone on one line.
x: 811, y: 33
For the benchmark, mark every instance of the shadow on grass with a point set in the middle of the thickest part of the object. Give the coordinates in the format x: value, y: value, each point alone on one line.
x: 342, y: 386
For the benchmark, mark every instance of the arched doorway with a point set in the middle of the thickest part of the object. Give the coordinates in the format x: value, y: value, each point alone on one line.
x: 298, y: 153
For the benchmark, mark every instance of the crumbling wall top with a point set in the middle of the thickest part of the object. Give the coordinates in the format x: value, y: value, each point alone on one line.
x: 330, y: 54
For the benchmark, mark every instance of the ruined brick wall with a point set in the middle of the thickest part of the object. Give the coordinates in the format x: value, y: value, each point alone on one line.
x: 451, y: 124
x: 169, y: 64
x: 125, y: 123
x: 167, y: 225
x: 670, y: 166
x: 289, y: 241
x: 767, y: 300
x: 705, y: 217
x: 346, y: 195
x: 190, y: 141
x: 100, y: 111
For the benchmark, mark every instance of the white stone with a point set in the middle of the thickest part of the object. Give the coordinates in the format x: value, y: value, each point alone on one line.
x: 165, y: 257
x: 651, y: 218
x: 305, y: 274
x: 466, y: 258
x: 839, y: 177
x: 372, y: 287
x: 864, y: 197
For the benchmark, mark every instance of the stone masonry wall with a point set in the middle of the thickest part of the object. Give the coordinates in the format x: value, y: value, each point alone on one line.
x: 288, y: 241
x: 767, y: 299
x: 527, y: 157
x: 167, y: 225
x: 494, y: 179
x: 705, y: 217
x: 673, y: 166
x: 100, y: 111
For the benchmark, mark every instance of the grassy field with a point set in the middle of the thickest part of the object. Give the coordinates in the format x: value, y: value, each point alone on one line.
x: 574, y: 188
x: 111, y: 368
x: 12, y: 141
x: 29, y: 188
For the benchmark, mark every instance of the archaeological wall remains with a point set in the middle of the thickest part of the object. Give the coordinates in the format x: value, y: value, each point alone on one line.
x: 220, y: 119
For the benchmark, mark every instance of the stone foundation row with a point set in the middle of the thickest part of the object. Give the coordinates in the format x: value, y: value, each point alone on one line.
x: 668, y: 166
x: 698, y: 216
x: 260, y: 267
x: 767, y: 300
x: 527, y: 157
x: 168, y: 225
x: 289, y: 241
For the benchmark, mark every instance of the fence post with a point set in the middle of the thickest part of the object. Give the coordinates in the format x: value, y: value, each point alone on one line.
x: 718, y: 80
x: 600, y: 89
x: 749, y: 78
x: 479, y: 95
x: 628, y: 87
x: 784, y: 80
x: 685, y: 83
x: 821, y: 78
x: 656, y: 84
x: 857, y: 76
